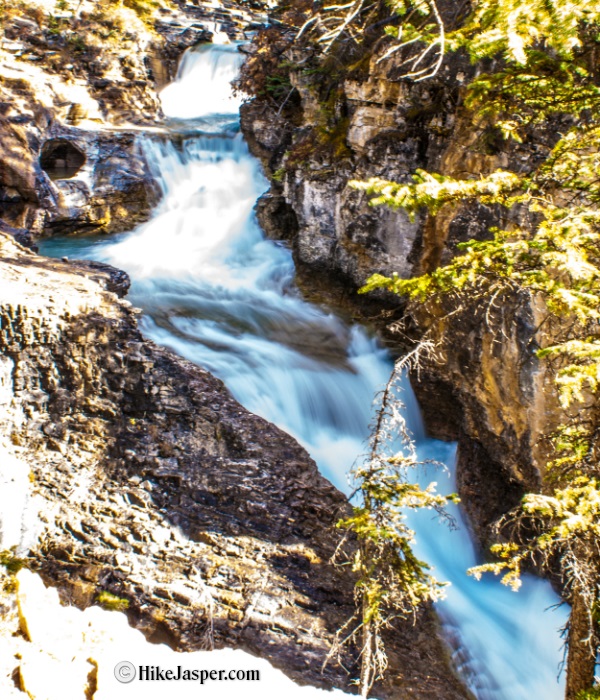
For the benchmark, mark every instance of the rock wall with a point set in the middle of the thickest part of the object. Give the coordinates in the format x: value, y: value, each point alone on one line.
x: 485, y: 389
x: 136, y: 473
x: 89, y: 77
x: 388, y: 129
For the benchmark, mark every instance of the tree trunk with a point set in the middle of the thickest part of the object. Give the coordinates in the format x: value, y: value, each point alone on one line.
x: 581, y: 658
x: 366, y: 669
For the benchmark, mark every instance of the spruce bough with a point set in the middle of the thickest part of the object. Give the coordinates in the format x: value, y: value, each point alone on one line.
x: 548, y: 73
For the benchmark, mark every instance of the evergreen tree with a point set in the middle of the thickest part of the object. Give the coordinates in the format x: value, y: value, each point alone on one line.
x: 391, y: 581
x: 548, y: 71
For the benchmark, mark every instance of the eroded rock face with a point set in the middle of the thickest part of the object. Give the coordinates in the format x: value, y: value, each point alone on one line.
x: 61, y: 159
x: 111, y: 192
x: 86, y: 81
x: 390, y: 130
x: 487, y: 390
x: 149, y: 481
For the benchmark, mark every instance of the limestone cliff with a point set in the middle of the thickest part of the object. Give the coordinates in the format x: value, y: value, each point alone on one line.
x: 358, y: 119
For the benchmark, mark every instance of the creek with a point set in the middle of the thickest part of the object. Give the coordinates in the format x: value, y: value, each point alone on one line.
x: 214, y: 290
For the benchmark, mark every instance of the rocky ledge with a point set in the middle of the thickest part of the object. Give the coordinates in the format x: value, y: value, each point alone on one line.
x: 76, y: 88
x: 129, y: 471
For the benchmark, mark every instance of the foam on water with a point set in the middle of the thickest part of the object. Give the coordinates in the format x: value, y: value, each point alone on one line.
x: 213, y: 289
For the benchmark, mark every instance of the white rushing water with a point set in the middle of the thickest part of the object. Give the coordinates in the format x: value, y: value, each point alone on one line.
x: 214, y: 290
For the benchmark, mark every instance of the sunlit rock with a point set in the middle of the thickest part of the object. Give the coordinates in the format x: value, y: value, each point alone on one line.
x: 73, y: 654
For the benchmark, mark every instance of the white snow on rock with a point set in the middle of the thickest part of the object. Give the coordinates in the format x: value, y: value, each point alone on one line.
x: 72, y: 655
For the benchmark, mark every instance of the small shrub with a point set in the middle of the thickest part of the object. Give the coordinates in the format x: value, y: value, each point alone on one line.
x: 109, y: 601
x: 55, y: 25
x: 10, y: 585
x: 77, y: 43
x: 278, y: 86
x: 11, y: 562
x: 278, y: 174
x: 144, y: 9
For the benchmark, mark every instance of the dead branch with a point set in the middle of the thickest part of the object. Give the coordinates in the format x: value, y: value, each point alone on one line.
x: 333, y: 23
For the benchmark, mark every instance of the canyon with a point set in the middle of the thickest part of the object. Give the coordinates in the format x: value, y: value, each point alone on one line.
x: 130, y: 470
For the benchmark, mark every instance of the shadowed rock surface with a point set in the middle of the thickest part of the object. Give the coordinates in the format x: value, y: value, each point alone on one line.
x: 148, y: 480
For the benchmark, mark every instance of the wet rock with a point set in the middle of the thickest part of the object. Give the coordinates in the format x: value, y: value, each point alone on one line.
x: 266, y: 132
x: 20, y: 235
x: 153, y: 484
x: 112, y: 191
x: 112, y: 279
x: 276, y: 217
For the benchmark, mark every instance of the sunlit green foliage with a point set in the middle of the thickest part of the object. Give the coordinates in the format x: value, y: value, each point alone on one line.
x: 570, y: 521
x: 145, y: 9
x: 514, y: 27
x: 432, y: 191
x: 109, y: 601
x: 391, y: 581
x: 10, y: 561
x: 551, y: 249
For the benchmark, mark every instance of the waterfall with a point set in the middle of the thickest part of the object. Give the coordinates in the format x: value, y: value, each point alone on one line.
x: 215, y: 291
x: 203, y: 88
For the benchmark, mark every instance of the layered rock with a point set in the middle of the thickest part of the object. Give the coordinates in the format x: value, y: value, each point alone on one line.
x: 486, y: 388
x: 142, y: 477
x: 389, y: 130
x: 86, y: 79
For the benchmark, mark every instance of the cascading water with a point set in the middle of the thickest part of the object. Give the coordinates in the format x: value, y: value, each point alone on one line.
x: 214, y: 290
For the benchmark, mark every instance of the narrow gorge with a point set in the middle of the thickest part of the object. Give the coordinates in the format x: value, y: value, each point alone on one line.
x: 188, y: 375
